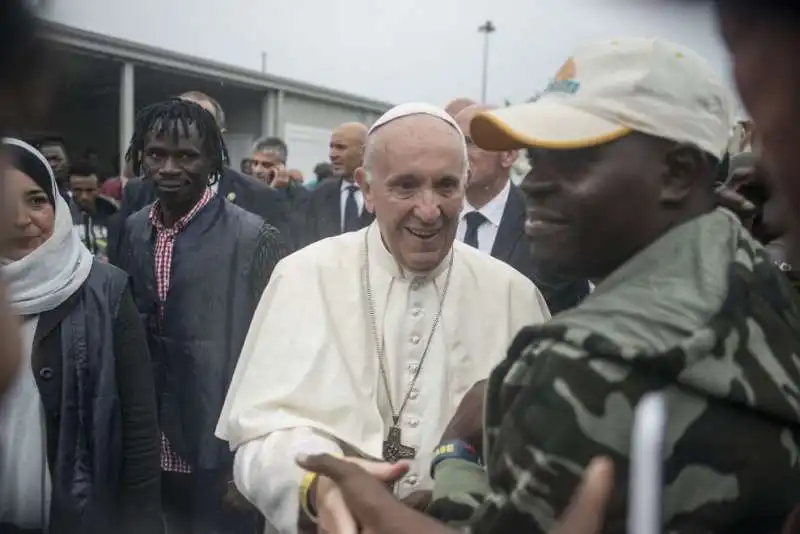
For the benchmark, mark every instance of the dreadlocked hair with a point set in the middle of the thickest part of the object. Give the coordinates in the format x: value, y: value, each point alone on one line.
x: 174, y: 117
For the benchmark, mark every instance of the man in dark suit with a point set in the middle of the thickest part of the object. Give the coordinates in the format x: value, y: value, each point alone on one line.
x: 244, y: 191
x: 493, y: 219
x: 336, y: 205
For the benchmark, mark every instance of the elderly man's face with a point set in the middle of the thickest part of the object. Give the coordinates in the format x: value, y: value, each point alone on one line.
x: 417, y: 191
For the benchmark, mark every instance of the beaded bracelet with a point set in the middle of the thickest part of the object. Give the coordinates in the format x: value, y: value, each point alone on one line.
x: 454, y: 449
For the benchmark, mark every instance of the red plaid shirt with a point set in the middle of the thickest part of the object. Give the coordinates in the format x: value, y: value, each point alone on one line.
x: 162, y: 252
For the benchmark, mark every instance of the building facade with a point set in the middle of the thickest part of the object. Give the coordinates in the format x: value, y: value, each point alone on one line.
x: 104, y: 80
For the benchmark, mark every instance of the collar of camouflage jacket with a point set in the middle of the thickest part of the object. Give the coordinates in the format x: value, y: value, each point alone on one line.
x: 665, y: 293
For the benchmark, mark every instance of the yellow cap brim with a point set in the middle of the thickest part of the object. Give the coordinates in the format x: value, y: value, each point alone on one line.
x: 542, y: 124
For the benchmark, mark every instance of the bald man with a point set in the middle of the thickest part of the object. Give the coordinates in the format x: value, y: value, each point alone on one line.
x: 391, y: 353
x: 457, y: 105
x: 493, y: 218
x: 337, y: 206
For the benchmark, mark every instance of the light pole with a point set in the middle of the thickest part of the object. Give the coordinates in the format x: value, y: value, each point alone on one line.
x: 486, y: 29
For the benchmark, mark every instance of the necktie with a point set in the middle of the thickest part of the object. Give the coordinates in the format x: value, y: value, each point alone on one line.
x: 474, y: 221
x: 352, y: 219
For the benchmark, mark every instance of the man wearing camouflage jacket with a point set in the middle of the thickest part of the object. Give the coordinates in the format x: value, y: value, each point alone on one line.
x: 624, y: 145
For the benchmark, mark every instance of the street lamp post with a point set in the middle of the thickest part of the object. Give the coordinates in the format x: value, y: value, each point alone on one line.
x: 486, y: 29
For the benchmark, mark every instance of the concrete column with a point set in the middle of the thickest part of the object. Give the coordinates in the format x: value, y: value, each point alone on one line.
x: 278, y: 116
x: 267, y: 112
x: 127, y: 109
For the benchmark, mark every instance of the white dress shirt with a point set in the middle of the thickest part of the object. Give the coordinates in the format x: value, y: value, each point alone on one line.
x: 493, y: 211
x: 359, y: 196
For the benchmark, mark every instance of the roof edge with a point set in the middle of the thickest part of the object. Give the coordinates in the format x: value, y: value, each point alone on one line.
x: 87, y: 41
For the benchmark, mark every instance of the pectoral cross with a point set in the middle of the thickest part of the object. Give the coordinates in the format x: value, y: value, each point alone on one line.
x: 393, y: 448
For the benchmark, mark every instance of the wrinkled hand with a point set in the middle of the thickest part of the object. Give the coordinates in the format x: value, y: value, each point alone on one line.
x: 467, y: 422
x: 333, y: 511
x: 280, y: 177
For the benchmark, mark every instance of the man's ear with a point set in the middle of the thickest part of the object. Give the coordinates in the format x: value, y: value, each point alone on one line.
x: 361, y: 177
x: 508, y: 158
x: 684, y: 166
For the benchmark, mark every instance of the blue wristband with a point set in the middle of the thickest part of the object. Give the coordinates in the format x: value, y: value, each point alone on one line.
x: 454, y: 449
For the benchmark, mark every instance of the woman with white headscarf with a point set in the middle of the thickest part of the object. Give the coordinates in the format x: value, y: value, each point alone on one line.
x: 79, y: 438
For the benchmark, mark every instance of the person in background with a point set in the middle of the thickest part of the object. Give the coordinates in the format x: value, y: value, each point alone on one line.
x: 237, y: 188
x: 198, y: 265
x: 113, y: 187
x: 323, y: 171
x: 455, y: 106
x: 337, y: 206
x: 78, y: 426
x: 493, y: 219
x: 246, y: 166
x: 93, y: 214
x: 296, y: 176
x: 53, y: 148
x: 268, y: 163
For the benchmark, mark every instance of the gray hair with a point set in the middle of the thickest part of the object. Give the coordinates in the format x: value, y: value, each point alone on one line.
x: 272, y: 144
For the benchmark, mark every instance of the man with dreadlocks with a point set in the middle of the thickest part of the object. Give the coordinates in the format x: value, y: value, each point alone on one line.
x: 240, y: 189
x: 198, y: 266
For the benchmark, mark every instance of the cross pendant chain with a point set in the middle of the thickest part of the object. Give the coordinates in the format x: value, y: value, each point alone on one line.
x: 393, y: 448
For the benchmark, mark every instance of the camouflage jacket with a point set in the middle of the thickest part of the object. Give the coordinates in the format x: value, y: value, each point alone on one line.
x: 702, y: 315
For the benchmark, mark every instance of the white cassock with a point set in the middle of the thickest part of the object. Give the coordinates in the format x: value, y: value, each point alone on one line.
x: 308, y: 380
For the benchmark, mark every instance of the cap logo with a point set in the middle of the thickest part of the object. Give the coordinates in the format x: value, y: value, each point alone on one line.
x: 564, y: 81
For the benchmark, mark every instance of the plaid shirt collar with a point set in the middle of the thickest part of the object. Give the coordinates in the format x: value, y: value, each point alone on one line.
x: 155, y: 214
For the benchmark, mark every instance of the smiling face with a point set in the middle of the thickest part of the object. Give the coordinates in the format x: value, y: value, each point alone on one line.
x: 590, y: 210
x: 34, y: 215
x: 417, y: 169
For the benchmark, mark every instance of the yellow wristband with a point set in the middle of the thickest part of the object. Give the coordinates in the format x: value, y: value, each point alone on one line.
x: 305, y: 493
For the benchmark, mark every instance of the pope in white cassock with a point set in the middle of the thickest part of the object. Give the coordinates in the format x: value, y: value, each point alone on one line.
x: 363, y: 344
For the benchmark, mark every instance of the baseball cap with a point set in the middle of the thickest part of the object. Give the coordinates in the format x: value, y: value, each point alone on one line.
x: 610, y: 88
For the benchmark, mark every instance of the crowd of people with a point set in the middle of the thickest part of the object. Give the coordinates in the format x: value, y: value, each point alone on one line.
x: 412, y: 344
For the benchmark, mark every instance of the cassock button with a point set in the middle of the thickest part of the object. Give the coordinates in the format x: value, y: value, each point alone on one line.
x: 416, y: 312
x: 412, y: 479
x: 415, y: 339
x: 413, y: 394
x: 413, y: 423
x: 413, y: 367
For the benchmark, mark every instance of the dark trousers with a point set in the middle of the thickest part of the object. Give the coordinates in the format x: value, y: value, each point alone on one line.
x: 194, y: 504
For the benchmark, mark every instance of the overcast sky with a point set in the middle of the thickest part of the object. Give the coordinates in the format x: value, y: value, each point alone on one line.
x: 405, y: 50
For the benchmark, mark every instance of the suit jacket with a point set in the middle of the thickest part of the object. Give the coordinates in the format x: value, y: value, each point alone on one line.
x: 324, y: 212
x: 240, y: 189
x: 512, y: 247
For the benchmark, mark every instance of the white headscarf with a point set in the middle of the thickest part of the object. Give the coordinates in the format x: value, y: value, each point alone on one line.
x: 49, y: 275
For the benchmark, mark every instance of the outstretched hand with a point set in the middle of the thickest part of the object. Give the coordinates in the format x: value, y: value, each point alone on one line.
x: 375, y: 510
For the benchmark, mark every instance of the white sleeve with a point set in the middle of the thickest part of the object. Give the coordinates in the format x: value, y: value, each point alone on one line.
x: 265, y: 472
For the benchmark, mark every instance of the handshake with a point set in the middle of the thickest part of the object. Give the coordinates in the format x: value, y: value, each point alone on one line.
x: 352, y: 497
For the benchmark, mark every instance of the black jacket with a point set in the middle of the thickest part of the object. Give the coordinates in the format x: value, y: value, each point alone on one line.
x: 512, y: 247
x: 323, y: 217
x: 94, y: 375
x: 242, y: 190
x: 221, y: 263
